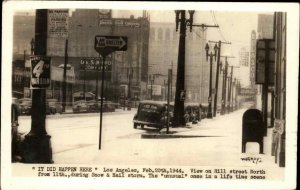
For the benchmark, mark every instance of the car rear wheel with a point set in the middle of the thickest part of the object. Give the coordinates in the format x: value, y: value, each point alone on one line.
x: 142, y: 126
x: 135, y: 125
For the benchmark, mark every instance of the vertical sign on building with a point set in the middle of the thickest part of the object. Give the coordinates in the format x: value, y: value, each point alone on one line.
x: 252, y: 58
x: 265, y: 47
x: 105, y: 14
x: 58, y: 23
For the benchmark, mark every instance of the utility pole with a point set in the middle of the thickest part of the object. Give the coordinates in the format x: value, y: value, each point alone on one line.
x: 97, y: 78
x: 171, y: 81
x: 168, y: 99
x: 229, y: 108
x: 165, y: 85
x: 217, y: 74
x: 224, y: 88
x: 178, y: 119
x: 229, y: 91
x: 223, y: 100
x: 65, y: 78
x: 129, y: 74
x: 37, y: 144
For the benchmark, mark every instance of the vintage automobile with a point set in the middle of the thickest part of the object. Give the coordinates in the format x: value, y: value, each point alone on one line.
x: 192, y: 112
x: 15, y: 135
x: 53, y: 106
x: 94, y: 106
x: 80, y: 106
x: 25, y: 106
x: 152, y: 114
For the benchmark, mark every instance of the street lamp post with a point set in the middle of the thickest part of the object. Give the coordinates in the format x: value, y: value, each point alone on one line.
x: 229, y: 91
x: 179, y: 100
x: 211, y: 55
x: 223, y: 101
x: 32, y: 46
x: 64, y: 86
x: 37, y: 143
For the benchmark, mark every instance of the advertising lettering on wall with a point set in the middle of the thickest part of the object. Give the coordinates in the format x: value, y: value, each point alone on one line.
x: 58, y: 23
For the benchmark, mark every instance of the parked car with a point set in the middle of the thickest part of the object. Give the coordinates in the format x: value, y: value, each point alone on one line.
x: 94, y: 106
x: 80, y: 106
x: 25, y: 106
x: 15, y: 135
x: 152, y: 114
x: 53, y: 106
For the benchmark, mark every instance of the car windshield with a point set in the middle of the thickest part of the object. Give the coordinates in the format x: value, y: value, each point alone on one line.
x: 25, y: 102
x: 151, y: 108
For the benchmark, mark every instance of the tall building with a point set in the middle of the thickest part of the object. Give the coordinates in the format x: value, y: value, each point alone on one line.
x: 244, y: 57
x: 129, y: 68
x: 265, y: 26
x: 280, y: 37
x: 163, y: 55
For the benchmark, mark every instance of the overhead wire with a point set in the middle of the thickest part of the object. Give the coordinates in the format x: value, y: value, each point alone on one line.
x: 216, y: 23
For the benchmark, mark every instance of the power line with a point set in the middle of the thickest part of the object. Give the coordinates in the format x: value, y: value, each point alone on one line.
x: 216, y: 23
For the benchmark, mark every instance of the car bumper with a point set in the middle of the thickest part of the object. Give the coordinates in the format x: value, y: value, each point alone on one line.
x: 150, y: 124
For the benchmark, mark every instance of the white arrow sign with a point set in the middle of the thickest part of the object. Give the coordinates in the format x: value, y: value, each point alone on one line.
x: 109, y: 42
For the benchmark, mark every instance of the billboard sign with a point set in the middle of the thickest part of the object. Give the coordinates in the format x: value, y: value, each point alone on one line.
x: 58, y: 21
x: 156, y: 90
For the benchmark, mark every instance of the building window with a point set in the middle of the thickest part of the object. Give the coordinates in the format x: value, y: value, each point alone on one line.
x: 167, y: 37
x: 152, y: 34
x: 160, y: 34
x: 174, y: 35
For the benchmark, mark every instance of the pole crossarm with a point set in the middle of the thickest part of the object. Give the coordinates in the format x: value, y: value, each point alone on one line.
x: 227, y: 56
x: 205, y: 25
x: 211, y: 41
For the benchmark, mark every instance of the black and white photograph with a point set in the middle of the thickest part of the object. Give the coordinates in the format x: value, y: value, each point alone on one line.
x: 149, y: 95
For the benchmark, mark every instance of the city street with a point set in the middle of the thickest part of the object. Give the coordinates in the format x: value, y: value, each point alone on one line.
x: 212, y: 142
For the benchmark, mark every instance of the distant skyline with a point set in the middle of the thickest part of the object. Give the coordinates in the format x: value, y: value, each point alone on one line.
x: 234, y: 26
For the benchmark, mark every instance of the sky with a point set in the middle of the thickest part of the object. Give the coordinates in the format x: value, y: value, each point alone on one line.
x: 234, y: 27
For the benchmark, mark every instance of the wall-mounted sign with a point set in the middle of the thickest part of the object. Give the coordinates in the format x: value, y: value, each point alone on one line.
x: 94, y: 63
x: 40, y: 71
x: 119, y: 22
x: 88, y: 68
x: 156, y: 90
x: 58, y: 21
x: 265, y: 54
x: 57, y: 74
x: 104, y: 13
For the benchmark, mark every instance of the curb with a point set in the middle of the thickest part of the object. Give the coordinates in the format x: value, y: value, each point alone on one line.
x: 169, y: 136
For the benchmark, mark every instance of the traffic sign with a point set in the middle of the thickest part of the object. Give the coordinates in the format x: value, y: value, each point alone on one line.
x: 105, y: 45
x: 40, y: 71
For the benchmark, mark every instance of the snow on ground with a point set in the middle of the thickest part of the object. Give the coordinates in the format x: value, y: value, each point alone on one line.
x: 75, y: 139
